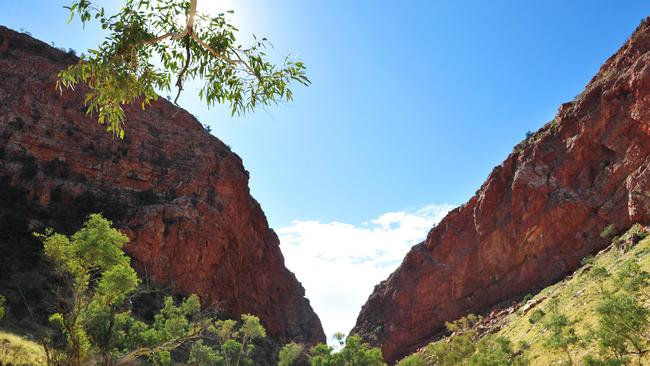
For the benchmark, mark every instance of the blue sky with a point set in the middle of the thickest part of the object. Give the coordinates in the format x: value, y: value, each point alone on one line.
x: 412, y: 105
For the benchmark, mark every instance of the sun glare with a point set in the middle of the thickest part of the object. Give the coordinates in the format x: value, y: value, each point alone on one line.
x: 240, y: 18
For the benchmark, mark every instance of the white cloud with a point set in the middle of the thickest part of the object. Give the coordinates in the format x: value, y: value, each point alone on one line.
x: 339, y: 264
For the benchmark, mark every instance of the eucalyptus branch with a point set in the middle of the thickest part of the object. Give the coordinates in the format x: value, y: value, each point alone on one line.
x: 132, y: 356
x: 159, y: 38
x: 181, y: 75
x: 121, y: 70
x: 190, y: 22
x: 211, y: 50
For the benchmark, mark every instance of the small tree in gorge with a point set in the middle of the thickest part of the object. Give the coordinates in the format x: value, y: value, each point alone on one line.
x: 122, y: 70
x: 96, y: 324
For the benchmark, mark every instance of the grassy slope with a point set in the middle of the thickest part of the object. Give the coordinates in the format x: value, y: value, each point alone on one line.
x: 18, y: 351
x: 577, y: 296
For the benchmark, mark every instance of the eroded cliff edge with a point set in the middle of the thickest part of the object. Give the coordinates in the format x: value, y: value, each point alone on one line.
x: 536, y: 216
x: 179, y: 193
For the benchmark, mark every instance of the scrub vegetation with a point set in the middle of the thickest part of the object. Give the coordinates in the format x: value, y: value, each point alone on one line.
x: 598, y: 316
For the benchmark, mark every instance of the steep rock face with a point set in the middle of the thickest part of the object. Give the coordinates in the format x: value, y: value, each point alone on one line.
x: 179, y: 193
x: 536, y: 216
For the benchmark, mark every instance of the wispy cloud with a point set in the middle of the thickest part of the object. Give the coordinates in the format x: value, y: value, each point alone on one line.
x: 339, y: 263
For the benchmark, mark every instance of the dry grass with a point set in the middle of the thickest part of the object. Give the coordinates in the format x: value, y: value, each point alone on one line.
x: 18, y: 351
x: 577, y: 296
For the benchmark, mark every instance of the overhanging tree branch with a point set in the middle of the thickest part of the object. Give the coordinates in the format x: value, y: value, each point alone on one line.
x: 117, y: 78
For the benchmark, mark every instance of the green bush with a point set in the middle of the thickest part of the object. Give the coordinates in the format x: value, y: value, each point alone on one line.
x: 623, y: 319
x: 536, y: 316
x: 354, y: 353
x: 466, y: 347
x: 97, y: 326
x: 561, y: 334
x: 290, y: 354
x: 416, y: 359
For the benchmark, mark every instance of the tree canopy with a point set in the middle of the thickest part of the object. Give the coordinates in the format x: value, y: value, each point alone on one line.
x: 148, y: 46
x: 96, y: 324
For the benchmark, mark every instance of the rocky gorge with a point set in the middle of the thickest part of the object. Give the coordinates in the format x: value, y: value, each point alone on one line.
x: 179, y: 193
x: 561, y: 195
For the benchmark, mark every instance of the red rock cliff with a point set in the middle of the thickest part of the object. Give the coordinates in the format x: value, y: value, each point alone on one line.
x: 179, y: 193
x: 535, y: 217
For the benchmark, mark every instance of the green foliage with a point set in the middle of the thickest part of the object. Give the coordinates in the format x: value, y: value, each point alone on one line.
x: 635, y: 234
x: 598, y: 300
x: 97, y: 323
x: 460, y: 346
x: 173, y: 326
x: 496, y: 351
x: 354, y: 353
x: 622, y: 327
x: 416, y: 359
x: 623, y: 318
x: 122, y: 70
x: 2, y: 307
x: 536, y: 316
x: 203, y: 355
x: 588, y: 260
x: 290, y: 354
x: 233, y: 344
x: 562, y: 334
x: 92, y: 256
x: 464, y: 347
x: 632, y: 279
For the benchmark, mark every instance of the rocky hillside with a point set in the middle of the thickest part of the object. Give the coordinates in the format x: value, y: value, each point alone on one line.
x: 579, y: 297
x: 179, y: 193
x: 536, y: 216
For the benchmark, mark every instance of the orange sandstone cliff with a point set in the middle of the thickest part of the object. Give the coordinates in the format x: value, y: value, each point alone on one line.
x: 536, y: 216
x: 178, y: 192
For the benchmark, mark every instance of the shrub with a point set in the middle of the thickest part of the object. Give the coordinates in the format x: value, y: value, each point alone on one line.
x: 416, y: 359
x: 623, y: 319
x: 608, y: 232
x: 97, y: 326
x: 588, y: 260
x: 464, y: 348
x: 562, y: 335
x: 496, y: 351
x: 354, y: 352
x: 536, y: 316
x: 290, y: 354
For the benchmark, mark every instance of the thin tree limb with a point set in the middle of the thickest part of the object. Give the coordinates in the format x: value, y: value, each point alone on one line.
x: 190, y: 22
